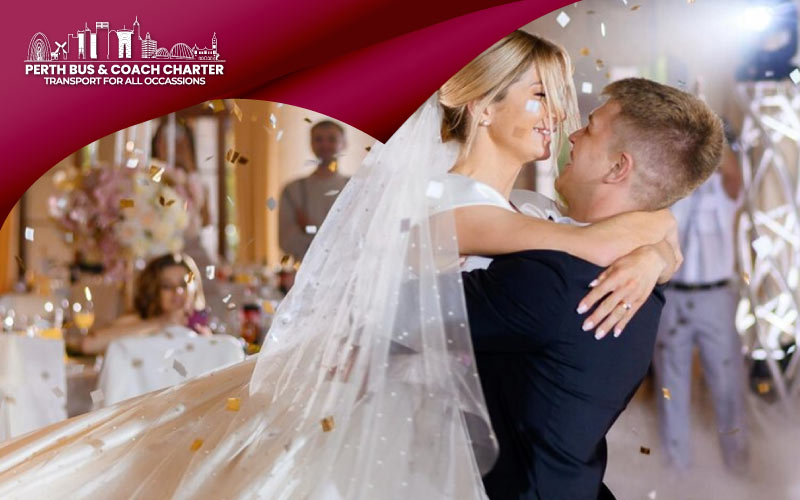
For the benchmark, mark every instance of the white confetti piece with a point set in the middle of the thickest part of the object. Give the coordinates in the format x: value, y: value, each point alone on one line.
x: 763, y: 246
x: 435, y: 190
x: 280, y: 135
x: 603, y: 29
x: 178, y: 367
x: 132, y: 162
x: 168, y: 353
x: 273, y: 120
x: 226, y: 298
x: 311, y: 229
x: 58, y: 392
x: 210, y: 272
x: 332, y: 192
x: 271, y: 203
x: 230, y: 200
x: 625, y: 2
x: 652, y: 495
x: 563, y: 19
x: 156, y: 173
x: 532, y: 106
x: 279, y: 105
x: 68, y: 237
x: 87, y: 293
x: 795, y: 76
x: 586, y: 87
x: 29, y: 233
x: 97, y: 396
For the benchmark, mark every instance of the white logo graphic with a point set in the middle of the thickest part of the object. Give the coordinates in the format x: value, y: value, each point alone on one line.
x: 85, y: 53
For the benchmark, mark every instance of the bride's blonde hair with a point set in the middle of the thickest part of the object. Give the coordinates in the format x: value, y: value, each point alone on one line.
x: 487, y: 78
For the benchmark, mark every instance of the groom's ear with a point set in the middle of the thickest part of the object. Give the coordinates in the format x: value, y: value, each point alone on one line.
x: 621, y: 169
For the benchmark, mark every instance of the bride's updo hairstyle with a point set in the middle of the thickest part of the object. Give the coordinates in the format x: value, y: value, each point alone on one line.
x: 487, y: 78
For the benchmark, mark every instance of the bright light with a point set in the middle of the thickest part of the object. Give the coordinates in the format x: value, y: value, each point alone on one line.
x: 756, y: 18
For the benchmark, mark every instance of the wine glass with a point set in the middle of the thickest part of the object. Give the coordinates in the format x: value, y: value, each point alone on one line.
x: 83, y: 312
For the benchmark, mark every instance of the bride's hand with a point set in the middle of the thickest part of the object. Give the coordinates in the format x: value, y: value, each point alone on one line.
x: 626, y: 285
x: 609, y: 240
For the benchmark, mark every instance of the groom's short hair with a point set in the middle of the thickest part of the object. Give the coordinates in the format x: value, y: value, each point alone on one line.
x: 674, y: 137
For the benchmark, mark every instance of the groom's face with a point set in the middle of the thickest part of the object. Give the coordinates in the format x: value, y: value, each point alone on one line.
x: 592, y: 155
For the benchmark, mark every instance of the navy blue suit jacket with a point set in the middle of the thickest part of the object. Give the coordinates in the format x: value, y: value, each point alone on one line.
x: 552, y: 390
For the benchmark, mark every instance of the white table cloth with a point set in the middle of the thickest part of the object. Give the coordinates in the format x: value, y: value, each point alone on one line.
x: 136, y: 365
x: 33, y: 387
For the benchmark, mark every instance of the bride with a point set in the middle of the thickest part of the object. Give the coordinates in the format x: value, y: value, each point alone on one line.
x: 367, y: 386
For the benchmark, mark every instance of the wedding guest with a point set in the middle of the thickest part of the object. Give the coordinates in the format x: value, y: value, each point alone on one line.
x: 305, y: 202
x: 167, y: 293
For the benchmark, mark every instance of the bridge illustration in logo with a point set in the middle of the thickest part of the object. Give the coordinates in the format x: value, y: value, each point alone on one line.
x: 100, y: 45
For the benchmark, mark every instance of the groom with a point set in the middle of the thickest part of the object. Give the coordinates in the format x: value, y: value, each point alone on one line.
x: 552, y: 390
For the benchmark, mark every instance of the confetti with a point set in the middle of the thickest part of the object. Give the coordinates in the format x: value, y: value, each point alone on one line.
x: 97, y: 396
x: 243, y: 160
x: 763, y: 387
x: 598, y: 64
x: 29, y: 233
x: 586, y: 87
x: 268, y: 307
x: 332, y: 192
x: 746, y: 278
x: 20, y: 263
x: 635, y: 7
x: 273, y: 120
x: 226, y: 298
x: 532, y: 105
x: 585, y: 51
x: 58, y: 392
x: 795, y: 76
x: 435, y: 190
x: 232, y: 155
x: 279, y: 136
x: 189, y: 277
x: 208, y: 157
x: 132, y: 162
x: 666, y: 393
x: 126, y: 203
x: 189, y: 347
x: 87, y: 293
x: 165, y: 202
x: 603, y: 30
x: 233, y: 404
x: 231, y: 306
x: 563, y: 19
x: 311, y: 229
x: 296, y: 265
x: 625, y: 2
x: 368, y: 148
x: 307, y: 120
x: 652, y: 495
x: 216, y: 105
x: 327, y: 424
x: 156, y: 173
x: 178, y: 367
x: 236, y: 111
x: 333, y: 166
x: 644, y: 450
x: 210, y: 272
x: 137, y: 363
x: 230, y: 200
x: 271, y: 203
x: 284, y: 261
x: 196, y: 444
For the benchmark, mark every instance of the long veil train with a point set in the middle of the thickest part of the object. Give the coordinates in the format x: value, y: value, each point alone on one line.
x: 366, y: 387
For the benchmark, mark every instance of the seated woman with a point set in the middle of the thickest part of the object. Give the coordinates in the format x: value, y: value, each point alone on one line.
x: 165, y: 296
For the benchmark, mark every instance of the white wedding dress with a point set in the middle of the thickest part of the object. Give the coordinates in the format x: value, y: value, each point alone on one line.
x: 366, y: 387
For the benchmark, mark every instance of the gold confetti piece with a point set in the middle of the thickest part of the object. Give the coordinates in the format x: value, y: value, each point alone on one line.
x: 307, y: 120
x: 268, y: 307
x: 368, y: 148
x: 333, y: 165
x: 636, y: 7
x: 165, y: 202
x: 327, y: 424
x: 196, y: 444
x: 296, y: 266
x: 585, y: 51
x: 233, y: 404
x: 763, y: 387
x: 746, y: 278
x: 216, y: 105
x: 189, y: 277
x: 178, y: 367
x: 137, y: 363
x: 243, y: 160
x: 126, y: 203
x: 598, y: 64
x: 96, y: 443
x: 236, y: 111
x: 644, y: 450
x: 232, y: 155
x: 156, y: 173
x: 666, y: 393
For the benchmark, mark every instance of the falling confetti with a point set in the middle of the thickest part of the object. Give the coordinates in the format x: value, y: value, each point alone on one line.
x: 279, y: 136
x: 29, y: 233
x: 236, y: 111
x: 563, y: 19
x: 210, y: 272
x: 216, y: 105
x: 284, y: 261
x: 635, y: 7
x: 652, y: 494
x: 311, y: 229
x: 273, y: 120
x: 795, y: 76
x: 746, y: 278
x: 165, y: 202
x: 327, y: 424
x: 132, y: 162
x: 232, y: 155
x: 763, y: 387
x: 368, y: 148
x: 137, y: 363
x: 585, y: 51
x: 231, y: 306
x: 333, y: 166
x: 97, y: 396
x: 189, y: 277
x: 243, y: 160
x: 435, y: 190
x: 307, y: 120
x: 586, y: 87
x: 226, y: 298
x: 208, y: 157
x: 666, y: 393
x: 156, y: 173
x: 58, y: 392
x: 178, y: 367
x: 644, y: 450
x: 126, y: 203
x: 603, y: 30
x: 230, y: 200
x: 196, y: 444
x: 332, y: 192
x: 233, y: 404
x: 598, y: 64
x: 87, y: 293
x: 271, y: 203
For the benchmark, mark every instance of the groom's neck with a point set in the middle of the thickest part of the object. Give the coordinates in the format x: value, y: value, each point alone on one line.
x: 597, y: 207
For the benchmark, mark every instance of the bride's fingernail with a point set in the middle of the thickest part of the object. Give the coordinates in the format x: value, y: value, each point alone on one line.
x: 593, y: 284
x: 600, y: 334
x: 582, y: 308
x: 588, y: 325
x: 617, y: 332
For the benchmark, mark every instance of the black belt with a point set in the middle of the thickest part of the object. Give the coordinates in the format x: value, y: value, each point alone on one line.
x: 686, y: 287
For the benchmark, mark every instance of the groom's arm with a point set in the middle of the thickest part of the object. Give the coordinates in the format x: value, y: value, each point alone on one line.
x: 515, y: 305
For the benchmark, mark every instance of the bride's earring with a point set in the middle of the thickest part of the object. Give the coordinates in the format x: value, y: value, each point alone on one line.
x: 484, y: 123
